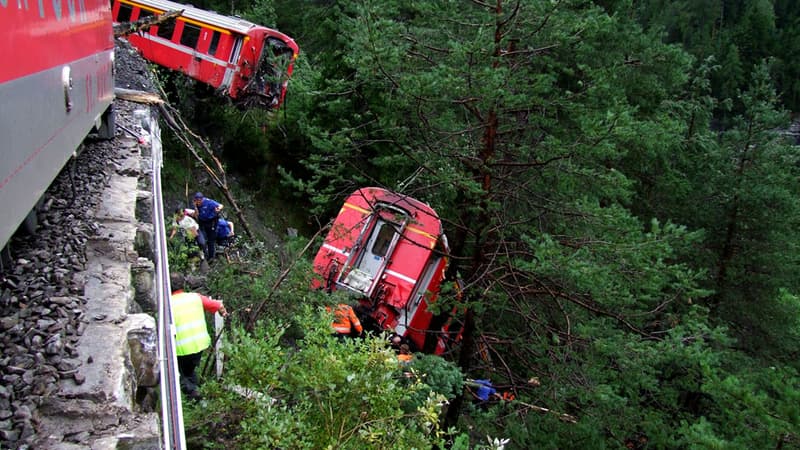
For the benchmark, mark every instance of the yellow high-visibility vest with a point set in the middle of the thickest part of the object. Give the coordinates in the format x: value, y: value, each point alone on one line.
x: 191, y: 334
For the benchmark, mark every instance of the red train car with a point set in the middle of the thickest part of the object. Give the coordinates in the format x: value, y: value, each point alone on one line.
x: 247, y: 62
x: 56, y: 85
x: 391, y: 252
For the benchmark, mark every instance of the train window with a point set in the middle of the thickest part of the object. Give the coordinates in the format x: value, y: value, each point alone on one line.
x: 214, y: 43
x: 166, y: 29
x: 190, y: 35
x: 385, y: 236
x: 237, y: 47
x: 125, y: 12
x: 144, y: 13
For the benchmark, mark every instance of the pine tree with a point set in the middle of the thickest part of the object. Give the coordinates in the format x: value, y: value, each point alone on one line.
x: 563, y: 147
x: 513, y: 120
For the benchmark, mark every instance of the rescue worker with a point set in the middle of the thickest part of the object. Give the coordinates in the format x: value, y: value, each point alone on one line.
x: 395, y: 340
x: 183, y: 220
x: 484, y: 390
x: 191, y: 333
x: 207, y: 215
x: 224, y: 232
x: 405, y: 355
x: 345, y: 321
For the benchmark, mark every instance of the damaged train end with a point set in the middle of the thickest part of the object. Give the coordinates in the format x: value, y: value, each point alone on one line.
x: 249, y: 63
x: 389, y: 250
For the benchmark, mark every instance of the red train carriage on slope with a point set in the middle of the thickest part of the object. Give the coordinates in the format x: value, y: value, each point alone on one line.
x: 56, y: 84
x: 390, y: 251
x: 247, y: 62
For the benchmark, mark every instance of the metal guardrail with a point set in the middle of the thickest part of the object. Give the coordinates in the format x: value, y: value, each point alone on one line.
x: 173, y: 436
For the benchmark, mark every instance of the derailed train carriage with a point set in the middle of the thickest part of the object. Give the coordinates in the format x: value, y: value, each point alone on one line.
x: 390, y: 251
x: 247, y: 62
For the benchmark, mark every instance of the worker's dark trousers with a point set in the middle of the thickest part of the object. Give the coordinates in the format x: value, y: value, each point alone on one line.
x: 209, y: 229
x: 201, y: 242
x: 186, y: 367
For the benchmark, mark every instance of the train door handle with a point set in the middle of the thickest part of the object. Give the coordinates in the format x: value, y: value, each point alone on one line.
x: 66, y: 81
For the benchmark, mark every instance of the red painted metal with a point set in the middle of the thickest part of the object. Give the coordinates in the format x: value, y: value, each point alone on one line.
x: 38, y: 36
x: 391, y: 252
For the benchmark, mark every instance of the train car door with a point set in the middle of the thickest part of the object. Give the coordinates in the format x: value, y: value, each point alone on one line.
x: 372, y: 259
x: 231, y: 79
x: 374, y: 254
x: 237, y: 48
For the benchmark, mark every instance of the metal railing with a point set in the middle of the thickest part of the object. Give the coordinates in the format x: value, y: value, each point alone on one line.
x: 173, y: 436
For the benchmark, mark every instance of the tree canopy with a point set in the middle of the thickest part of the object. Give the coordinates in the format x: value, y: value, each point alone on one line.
x: 620, y: 192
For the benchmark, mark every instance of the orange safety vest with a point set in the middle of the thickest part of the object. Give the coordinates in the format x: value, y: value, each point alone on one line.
x: 344, y: 318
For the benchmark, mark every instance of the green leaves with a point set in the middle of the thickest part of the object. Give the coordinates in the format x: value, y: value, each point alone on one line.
x: 323, y: 392
x: 610, y: 240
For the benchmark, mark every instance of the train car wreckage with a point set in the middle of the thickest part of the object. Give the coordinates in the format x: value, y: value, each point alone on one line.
x: 390, y: 251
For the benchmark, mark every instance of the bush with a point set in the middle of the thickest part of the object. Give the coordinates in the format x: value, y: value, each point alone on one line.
x: 321, y: 393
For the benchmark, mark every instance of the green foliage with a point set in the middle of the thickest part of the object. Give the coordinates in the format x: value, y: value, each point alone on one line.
x: 637, y: 262
x: 291, y: 384
x: 750, y: 216
x: 184, y: 255
x: 261, y: 12
x: 322, y: 393
x: 434, y: 376
x: 250, y: 284
x: 738, y: 34
x: 755, y: 408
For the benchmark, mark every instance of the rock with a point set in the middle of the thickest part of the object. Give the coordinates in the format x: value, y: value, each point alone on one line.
x: 9, y: 435
x: 144, y: 285
x: 6, y: 323
x: 61, y: 300
x: 44, y: 324
x: 194, y: 282
x: 36, y: 341
x: 27, y: 431
x: 23, y: 413
x: 54, y: 345
x: 144, y: 356
x: 80, y: 438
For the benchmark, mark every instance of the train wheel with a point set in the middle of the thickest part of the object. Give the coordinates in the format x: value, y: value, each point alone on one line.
x: 5, y: 258
x: 107, y: 126
x: 31, y: 222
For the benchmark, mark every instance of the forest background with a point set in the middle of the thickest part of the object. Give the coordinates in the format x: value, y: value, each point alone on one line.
x: 619, y: 184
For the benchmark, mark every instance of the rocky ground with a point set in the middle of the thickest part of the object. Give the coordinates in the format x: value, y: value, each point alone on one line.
x: 44, y: 309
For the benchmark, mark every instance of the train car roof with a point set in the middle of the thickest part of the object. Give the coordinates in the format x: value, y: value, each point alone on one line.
x: 423, y: 213
x: 236, y: 24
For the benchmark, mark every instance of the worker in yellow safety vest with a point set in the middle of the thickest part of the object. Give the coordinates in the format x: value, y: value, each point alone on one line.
x: 345, y: 321
x: 191, y: 334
